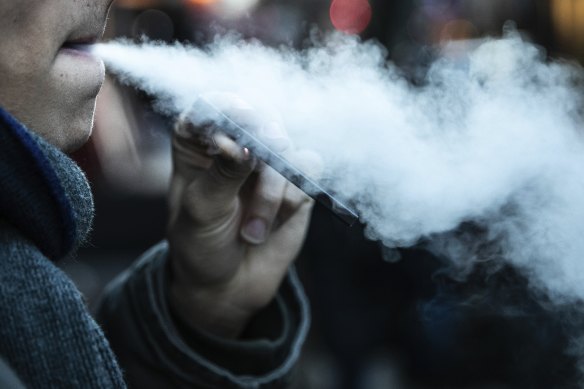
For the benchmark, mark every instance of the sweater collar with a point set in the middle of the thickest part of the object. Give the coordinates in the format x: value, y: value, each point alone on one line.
x: 43, y: 193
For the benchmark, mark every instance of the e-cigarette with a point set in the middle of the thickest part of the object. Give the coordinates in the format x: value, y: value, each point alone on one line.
x: 247, y: 139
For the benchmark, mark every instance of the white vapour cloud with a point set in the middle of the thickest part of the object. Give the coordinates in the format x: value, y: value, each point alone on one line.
x: 494, y: 138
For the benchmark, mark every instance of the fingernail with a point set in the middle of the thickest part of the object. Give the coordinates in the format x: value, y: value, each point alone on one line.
x: 255, y: 231
x: 246, y: 154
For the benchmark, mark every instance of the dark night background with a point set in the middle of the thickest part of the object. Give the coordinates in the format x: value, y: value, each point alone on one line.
x: 376, y: 324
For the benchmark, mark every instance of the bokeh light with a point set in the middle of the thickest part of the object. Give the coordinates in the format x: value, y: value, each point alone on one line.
x: 200, y: 2
x: 567, y: 17
x: 227, y: 9
x: 350, y: 16
x: 459, y: 29
x: 154, y: 24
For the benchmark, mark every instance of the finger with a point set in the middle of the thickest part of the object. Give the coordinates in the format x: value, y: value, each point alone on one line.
x: 229, y: 150
x: 230, y: 169
x: 191, y: 157
x: 186, y: 130
x: 214, y: 196
x: 294, y: 200
x: 263, y: 206
x: 288, y: 238
x: 194, y: 131
x: 201, y: 120
x: 192, y: 149
x: 192, y: 153
x: 293, y: 219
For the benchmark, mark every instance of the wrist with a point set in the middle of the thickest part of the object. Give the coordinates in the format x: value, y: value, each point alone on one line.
x: 209, y: 309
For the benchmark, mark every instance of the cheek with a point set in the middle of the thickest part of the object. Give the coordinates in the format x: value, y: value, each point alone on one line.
x: 73, y: 86
x: 57, y: 104
x: 55, y: 108
x: 53, y: 96
x: 68, y: 123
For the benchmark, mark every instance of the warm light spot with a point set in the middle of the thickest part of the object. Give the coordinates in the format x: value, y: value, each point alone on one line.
x: 562, y: 14
x: 458, y: 30
x: 225, y: 9
x: 350, y: 16
x: 200, y: 2
x: 568, y: 21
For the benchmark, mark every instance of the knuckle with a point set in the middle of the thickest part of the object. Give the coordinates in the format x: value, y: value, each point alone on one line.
x: 268, y: 198
x: 204, y: 207
x: 229, y: 170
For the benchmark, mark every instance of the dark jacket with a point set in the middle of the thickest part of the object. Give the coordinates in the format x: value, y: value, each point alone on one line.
x: 49, y: 339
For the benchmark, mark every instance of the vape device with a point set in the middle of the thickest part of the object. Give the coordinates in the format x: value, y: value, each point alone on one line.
x: 245, y: 138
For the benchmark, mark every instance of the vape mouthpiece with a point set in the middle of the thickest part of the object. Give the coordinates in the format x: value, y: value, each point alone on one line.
x: 247, y: 139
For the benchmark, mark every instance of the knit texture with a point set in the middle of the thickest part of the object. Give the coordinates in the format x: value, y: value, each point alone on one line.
x: 46, y: 333
x: 43, y: 192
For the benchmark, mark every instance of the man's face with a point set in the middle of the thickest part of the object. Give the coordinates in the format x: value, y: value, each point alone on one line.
x: 45, y: 80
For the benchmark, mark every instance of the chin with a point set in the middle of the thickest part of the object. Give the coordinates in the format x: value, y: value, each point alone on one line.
x: 74, y: 144
x: 76, y: 132
x: 71, y: 135
x: 76, y: 137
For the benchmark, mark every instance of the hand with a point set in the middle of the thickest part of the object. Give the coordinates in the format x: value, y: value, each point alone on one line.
x: 235, y: 224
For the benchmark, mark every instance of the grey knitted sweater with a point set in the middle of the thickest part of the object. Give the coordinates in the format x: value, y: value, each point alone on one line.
x: 46, y: 334
x: 48, y: 339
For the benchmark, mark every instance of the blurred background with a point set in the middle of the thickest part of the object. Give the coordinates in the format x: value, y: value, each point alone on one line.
x: 377, y: 324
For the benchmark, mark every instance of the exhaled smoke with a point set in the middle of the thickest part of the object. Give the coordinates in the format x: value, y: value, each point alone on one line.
x: 494, y: 138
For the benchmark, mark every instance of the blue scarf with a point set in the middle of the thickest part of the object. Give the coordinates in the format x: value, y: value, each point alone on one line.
x: 46, y: 333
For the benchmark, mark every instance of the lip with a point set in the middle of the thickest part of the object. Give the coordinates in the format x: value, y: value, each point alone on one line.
x: 80, y: 47
x: 85, y: 30
x: 87, y: 40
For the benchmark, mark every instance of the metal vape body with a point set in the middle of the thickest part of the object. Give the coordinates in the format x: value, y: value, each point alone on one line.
x: 245, y: 138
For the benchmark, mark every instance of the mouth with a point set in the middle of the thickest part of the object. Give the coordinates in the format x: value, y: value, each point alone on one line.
x: 76, y: 58
x: 83, y: 44
x: 79, y: 38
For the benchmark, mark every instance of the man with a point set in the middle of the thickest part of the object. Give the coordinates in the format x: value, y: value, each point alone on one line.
x: 204, y: 308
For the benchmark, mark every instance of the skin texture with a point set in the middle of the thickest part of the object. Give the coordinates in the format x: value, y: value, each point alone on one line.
x: 49, y: 89
x: 235, y: 225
